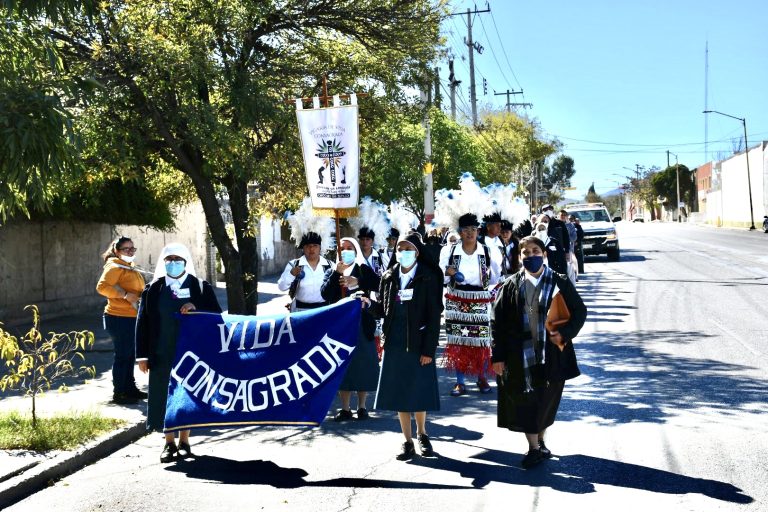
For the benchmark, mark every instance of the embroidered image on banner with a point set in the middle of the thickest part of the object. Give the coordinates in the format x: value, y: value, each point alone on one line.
x: 330, y: 143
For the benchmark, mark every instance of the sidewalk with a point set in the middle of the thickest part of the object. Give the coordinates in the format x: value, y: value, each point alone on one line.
x: 23, y: 473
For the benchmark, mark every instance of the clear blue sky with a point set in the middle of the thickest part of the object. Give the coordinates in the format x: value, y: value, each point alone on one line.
x: 628, y: 77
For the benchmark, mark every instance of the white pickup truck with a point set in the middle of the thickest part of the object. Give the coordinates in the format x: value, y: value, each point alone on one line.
x: 599, y: 230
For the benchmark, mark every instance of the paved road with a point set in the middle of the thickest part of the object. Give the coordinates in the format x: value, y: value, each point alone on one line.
x: 669, y: 414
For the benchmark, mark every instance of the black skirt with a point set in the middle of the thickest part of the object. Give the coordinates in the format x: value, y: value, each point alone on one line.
x: 530, y: 412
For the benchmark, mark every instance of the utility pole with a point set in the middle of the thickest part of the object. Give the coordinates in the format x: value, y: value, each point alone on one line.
x: 452, y: 84
x: 677, y: 176
x: 429, y: 194
x: 509, y: 104
x: 472, y: 45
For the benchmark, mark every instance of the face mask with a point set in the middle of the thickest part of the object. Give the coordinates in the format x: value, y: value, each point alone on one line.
x: 127, y: 259
x: 550, y: 214
x: 348, y: 257
x: 542, y: 235
x: 533, y: 263
x: 175, y: 268
x: 406, y: 258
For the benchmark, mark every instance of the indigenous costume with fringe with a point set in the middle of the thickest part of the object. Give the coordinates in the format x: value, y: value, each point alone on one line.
x: 467, y: 315
x: 468, y: 301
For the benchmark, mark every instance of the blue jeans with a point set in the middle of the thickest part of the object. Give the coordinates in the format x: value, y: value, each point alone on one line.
x: 122, y: 330
x: 461, y: 379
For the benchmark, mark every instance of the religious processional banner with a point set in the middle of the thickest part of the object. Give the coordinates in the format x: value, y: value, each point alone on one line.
x: 330, y: 142
x: 236, y: 370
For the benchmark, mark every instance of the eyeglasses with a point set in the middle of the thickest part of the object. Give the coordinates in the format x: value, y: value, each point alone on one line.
x: 129, y: 250
x: 470, y: 229
x: 174, y: 258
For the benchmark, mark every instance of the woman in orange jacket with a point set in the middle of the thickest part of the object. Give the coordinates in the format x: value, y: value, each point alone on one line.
x: 121, y: 283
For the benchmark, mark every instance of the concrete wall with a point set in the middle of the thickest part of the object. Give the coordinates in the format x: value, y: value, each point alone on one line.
x: 56, y: 265
x: 735, y: 189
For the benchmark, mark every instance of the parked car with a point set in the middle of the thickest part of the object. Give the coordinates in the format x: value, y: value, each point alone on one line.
x: 600, y: 235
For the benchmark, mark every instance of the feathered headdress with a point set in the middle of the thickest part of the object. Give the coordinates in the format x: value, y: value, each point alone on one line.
x: 401, y: 219
x: 306, y: 227
x: 371, y: 219
x: 510, y: 208
x: 452, y: 204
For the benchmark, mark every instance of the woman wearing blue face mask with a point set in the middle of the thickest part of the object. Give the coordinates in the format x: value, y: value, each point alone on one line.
x: 410, y: 306
x: 531, y: 367
x: 350, y: 276
x: 174, y: 289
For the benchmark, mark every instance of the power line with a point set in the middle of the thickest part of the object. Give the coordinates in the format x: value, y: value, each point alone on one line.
x: 493, y: 53
x: 504, y: 51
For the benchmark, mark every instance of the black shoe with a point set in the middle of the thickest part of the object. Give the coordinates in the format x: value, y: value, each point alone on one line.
x: 458, y: 390
x: 532, y: 458
x: 544, y: 450
x: 343, y: 415
x: 425, y: 447
x: 485, y: 388
x: 123, y: 399
x: 362, y: 414
x: 185, y: 451
x: 169, y: 453
x: 138, y: 394
x: 407, y: 452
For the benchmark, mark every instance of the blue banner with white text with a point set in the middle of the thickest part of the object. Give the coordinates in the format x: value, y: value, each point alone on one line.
x: 236, y: 370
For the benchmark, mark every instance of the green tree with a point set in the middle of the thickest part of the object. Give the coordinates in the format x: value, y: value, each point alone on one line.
x: 512, y: 145
x: 199, y: 88
x: 393, y: 158
x: 35, y: 364
x: 592, y: 196
x: 665, y: 185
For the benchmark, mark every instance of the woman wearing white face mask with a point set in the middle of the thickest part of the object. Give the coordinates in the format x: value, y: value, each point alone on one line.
x: 174, y: 289
x: 411, y: 311
x: 555, y: 253
x: 353, y: 275
x: 121, y: 283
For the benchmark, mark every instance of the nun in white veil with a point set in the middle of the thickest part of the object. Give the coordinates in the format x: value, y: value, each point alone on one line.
x: 350, y: 276
x: 175, y: 288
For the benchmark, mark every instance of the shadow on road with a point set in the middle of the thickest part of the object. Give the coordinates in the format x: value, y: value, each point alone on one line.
x: 578, y: 474
x: 265, y: 472
x: 634, y: 383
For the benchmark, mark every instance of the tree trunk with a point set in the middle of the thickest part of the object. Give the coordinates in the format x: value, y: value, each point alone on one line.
x: 245, y: 234
x: 233, y: 271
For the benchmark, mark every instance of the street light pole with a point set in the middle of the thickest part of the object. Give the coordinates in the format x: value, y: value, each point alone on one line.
x: 746, y: 155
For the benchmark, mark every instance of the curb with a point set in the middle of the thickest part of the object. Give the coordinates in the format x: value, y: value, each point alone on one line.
x: 29, y: 482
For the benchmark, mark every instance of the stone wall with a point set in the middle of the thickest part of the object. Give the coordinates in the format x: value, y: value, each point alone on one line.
x: 56, y: 265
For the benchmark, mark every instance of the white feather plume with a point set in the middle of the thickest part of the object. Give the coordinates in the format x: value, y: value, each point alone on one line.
x: 372, y: 215
x: 511, y: 208
x: 304, y: 221
x: 402, y: 219
x: 452, y: 204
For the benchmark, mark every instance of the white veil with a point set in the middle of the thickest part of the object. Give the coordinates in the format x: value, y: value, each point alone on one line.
x: 359, y: 259
x: 173, y: 249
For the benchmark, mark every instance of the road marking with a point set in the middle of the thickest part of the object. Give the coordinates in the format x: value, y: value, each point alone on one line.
x: 734, y: 336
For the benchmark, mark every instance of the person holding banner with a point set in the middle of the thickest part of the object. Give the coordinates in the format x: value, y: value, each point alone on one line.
x: 531, y: 359
x: 174, y: 289
x: 411, y: 313
x: 352, y: 275
x: 303, y: 277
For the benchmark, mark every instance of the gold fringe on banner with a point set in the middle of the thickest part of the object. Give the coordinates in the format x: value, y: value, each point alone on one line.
x: 343, y: 212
